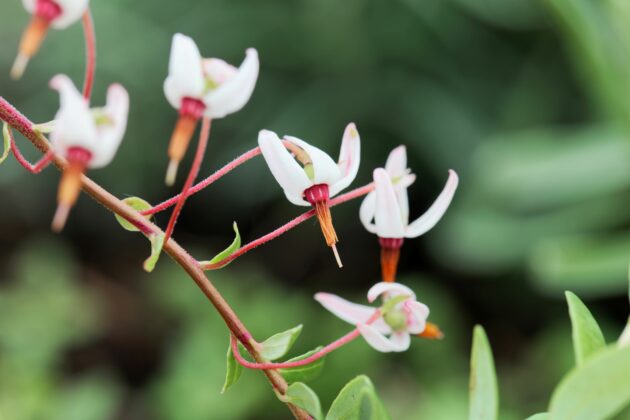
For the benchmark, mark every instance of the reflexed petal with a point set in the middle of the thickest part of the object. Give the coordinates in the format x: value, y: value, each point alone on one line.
x: 377, y: 340
x: 396, y: 165
x: 352, y: 313
x: 218, y: 70
x: 400, y: 341
x: 29, y: 5
x: 289, y: 174
x: 367, y: 210
x: 110, y: 135
x: 393, y: 289
x: 233, y: 94
x: 430, y: 218
x: 185, y: 73
x: 349, y: 159
x: 71, y: 11
x: 388, y: 216
x: 325, y: 170
x: 419, y: 314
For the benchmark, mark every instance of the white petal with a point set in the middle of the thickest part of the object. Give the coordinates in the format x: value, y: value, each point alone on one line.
x: 325, y: 170
x: 388, y: 216
x: 217, y: 70
x: 367, y: 210
x: 375, y: 339
x: 349, y: 158
x: 74, y: 125
x: 396, y: 165
x: 352, y: 313
x: 185, y: 73
x: 400, y: 341
x: 71, y: 11
x: 393, y: 289
x: 430, y: 218
x: 29, y: 5
x: 110, y: 136
x: 289, y: 174
x: 232, y: 95
x: 419, y: 312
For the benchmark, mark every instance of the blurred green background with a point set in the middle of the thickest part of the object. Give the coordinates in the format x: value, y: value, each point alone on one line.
x: 529, y: 101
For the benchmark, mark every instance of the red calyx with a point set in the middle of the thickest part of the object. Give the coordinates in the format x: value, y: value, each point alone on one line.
x: 391, y: 243
x: 78, y: 155
x: 317, y: 194
x: 192, y: 108
x: 47, y: 10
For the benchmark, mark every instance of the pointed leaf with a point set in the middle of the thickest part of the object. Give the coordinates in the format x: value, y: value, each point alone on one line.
x: 157, y: 242
x: 304, y: 373
x: 234, y: 246
x: 587, y: 336
x: 304, y: 397
x: 7, y: 142
x: 484, y: 396
x: 233, y: 370
x: 357, y: 401
x: 137, y: 204
x: 595, y: 390
x: 279, y: 344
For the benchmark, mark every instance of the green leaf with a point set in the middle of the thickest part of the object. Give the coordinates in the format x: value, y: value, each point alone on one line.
x: 595, y: 390
x: 306, y: 372
x: 304, y: 397
x: 279, y: 344
x: 137, y: 204
x: 539, y: 416
x: 234, y: 246
x: 7, y: 142
x: 157, y: 242
x: 587, y: 337
x: 484, y: 396
x: 233, y: 370
x: 357, y: 401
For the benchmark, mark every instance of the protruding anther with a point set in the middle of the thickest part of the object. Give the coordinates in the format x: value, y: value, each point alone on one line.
x: 171, y: 172
x: 334, y: 248
x: 431, y: 332
x: 61, y: 215
x: 19, y: 66
x: 29, y: 45
x: 390, y: 254
x: 189, y: 114
x: 70, y: 185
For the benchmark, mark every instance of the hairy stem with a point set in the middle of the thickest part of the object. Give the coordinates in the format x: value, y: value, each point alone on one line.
x: 90, y: 53
x: 33, y: 168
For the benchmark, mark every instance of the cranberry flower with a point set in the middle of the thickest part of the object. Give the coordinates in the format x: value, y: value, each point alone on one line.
x: 388, y: 207
x: 45, y: 13
x: 86, y: 138
x: 316, y: 177
x: 207, y: 87
x: 400, y: 315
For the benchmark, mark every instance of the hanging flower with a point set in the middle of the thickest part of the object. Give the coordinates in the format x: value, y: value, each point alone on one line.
x: 316, y: 177
x: 207, y: 87
x: 45, y: 13
x: 400, y: 316
x: 388, y: 206
x: 86, y: 138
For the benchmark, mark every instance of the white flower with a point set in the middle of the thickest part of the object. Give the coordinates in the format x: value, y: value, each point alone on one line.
x: 406, y: 317
x: 221, y: 87
x: 388, y: 205
x: 60, y: 13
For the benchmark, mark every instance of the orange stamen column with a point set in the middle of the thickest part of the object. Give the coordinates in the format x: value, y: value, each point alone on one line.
x: 189, y: 114
x: 45, y: 12
x: 431, y: 332
x: 319, y: 197
x: 390, y: 254
x: 70, y: 185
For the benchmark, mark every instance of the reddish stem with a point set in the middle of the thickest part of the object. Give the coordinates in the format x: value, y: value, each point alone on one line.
x: 32, y: 168
x: 358, y: 192
x: 90, y: 53
x: 194, y: 171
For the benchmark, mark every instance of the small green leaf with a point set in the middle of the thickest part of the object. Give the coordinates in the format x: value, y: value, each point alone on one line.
x: 137, y: 204
x: 595, y: 390
x: 7, y: 142
x: 233, y: 371
x: 587, y: 336
x: 157, y: 241
x: 539, y: 416
x: 304, y: 397
x: 279, y: 344
x: 304, y: 373
x: 234, y: 246
x: 357, y: 401
x: 45, y: 128
x: 484, y: 396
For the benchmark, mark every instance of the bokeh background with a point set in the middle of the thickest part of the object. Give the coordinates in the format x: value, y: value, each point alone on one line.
x: 529, y: 100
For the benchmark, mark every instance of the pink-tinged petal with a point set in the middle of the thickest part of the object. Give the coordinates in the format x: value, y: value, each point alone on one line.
x: 218, y: 71
x: 234, y: 93
x: 388, y: 216
x: 401, y: 184
x: 29, y: 5
x: 430, y: 218
x: 289, y: 174
x: 325, y: 170
x: 349, y: 159
x: 185, y: 73
x: 74, y: 124
x: 71, y: 12
x: 367, y: 210
x: 393, y: 289
x: 375, y: 339
x: 417, y: 316
x: 352, y: 313
x: 396, y: 165
x: 111, y: 134
x: 400, y: 341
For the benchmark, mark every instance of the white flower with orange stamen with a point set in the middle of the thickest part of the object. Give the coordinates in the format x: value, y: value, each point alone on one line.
x: 316, y: 178
x: 86, y: 138
x: 388, y: 207
x: 207, y: 87
x: 401, y: 315
x: 58, y: 14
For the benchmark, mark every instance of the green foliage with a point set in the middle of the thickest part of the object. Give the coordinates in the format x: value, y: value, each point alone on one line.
x: 233, y: 370
x: 279, y: 344
x: 304, y: 373
x: 587, y: 336
x: 6, y: 142
x: 304, y: 397
x: 137, y: 204
x: 234, y: 246
x: 157, y: 242
x: 484, y: 395
x: 539, y: 416
x: 357, y: 401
